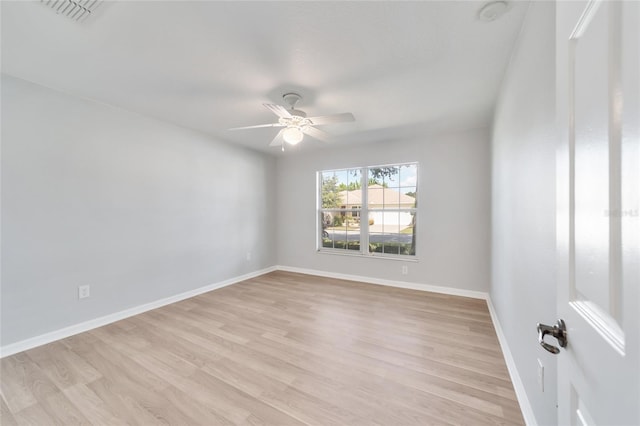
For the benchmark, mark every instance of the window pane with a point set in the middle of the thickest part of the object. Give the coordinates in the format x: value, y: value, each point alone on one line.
x: 390, y: 176
x: 375, y: 243
x: 375, y: 195
x: 383, y: 189
x: 328, y: 175
x: 330, y: 194
x: 408, y: 197
x: 342, y: 176
x: 326, y: 221
x: 356, y: 194
x: 339, y: 231
x: 341, y: 188
x: 408, y: 175
x: 339, y: 235
x: 392, y: 232
x: 354, y: 179
x: 391, y: 244
x: 391, y: 221
x: 408, y: 182
x: 350, y: 189
x: 408, y: 237
x: 384, y: 175
x: 391, y: 198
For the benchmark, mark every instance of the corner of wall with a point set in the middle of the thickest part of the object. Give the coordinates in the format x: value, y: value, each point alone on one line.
x: 518, y: 385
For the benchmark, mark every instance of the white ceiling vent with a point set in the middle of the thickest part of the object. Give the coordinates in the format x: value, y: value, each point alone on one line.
x: 77, y: 10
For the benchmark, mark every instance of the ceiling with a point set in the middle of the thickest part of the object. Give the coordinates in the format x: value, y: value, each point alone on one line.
x: 402, y: 68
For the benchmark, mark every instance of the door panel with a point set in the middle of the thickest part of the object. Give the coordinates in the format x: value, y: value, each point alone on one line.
x: 597, y: 222
x: 591, y: 100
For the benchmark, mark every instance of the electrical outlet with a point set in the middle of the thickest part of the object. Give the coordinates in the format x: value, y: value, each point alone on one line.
x: 540, y: 375
x: 84, y: 291
x: 248, y: 255
x: 405, y: 269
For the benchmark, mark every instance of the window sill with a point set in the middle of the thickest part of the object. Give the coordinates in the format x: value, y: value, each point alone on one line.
x: 345, y: 253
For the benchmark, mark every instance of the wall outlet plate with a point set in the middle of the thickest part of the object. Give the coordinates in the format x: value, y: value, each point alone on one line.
x: 84, y: 291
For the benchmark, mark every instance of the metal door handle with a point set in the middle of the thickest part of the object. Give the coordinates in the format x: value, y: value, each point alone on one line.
x: 559, y: 331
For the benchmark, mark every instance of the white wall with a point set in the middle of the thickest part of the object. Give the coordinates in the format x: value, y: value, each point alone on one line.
x: 453, y: 236
x: 523, y: 288
x: 137, y: 208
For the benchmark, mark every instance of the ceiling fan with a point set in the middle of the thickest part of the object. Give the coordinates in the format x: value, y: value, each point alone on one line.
x: 296, y: 123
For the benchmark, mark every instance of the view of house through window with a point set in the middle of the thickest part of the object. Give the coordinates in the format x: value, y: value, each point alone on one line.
x: 380, y: 220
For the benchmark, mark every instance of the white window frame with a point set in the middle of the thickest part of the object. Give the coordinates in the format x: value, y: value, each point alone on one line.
x: 363, y: 214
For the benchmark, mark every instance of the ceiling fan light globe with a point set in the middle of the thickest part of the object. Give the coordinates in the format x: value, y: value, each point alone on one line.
x: 292, y: 135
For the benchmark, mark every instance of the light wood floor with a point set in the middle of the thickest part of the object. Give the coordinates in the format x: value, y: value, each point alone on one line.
x: 280, y: 349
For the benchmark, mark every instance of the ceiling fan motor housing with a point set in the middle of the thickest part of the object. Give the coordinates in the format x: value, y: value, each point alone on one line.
x: 291, y: 98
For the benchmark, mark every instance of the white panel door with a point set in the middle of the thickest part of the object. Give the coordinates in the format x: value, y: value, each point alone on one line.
x: 598, y: 232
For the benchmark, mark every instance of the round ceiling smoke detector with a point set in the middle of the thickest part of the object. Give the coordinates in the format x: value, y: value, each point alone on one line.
x: 493, y: 10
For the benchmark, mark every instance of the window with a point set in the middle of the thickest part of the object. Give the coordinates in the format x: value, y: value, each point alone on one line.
x: 380, y: 221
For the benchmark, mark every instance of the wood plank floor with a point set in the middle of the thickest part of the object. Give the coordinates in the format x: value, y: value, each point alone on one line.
x: 280, y: 349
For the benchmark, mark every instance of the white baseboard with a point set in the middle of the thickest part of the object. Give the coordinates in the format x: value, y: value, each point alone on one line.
x: 391, y: 283
x: 521, y: 394
x: 52, y: 336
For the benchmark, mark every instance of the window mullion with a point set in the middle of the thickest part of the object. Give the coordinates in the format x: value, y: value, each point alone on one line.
x: 364, y: 212
x: 319, y: 212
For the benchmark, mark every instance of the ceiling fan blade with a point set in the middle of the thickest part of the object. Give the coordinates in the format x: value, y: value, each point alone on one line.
x: 345, y: 117
x: 278, y: 140
x: 258, y: 126
x: 278, y: 110
x: 316, y: 133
